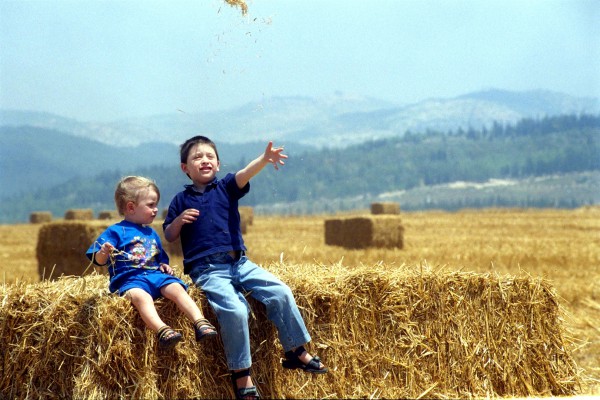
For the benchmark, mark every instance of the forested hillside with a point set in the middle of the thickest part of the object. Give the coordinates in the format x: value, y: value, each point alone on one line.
x: 549, y: 146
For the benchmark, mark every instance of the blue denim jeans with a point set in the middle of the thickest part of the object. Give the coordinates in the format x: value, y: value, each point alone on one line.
x: 225, y: 281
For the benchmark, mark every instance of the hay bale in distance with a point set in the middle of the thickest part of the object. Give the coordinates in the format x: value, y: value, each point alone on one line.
x: 384, y: 332
x: 385, y: 208
x: 62, y: 245
x: 82, y: 214
x: 247, y: 214
x: 109, y: 214
x: 383, y: 231
x: 40, y: 217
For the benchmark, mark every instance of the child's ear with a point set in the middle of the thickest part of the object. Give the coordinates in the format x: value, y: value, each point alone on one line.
x: 184, y: 168
x: 218, y: 165
x: 130, y: 207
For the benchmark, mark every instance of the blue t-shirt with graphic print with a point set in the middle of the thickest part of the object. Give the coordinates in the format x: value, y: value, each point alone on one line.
x: 138, y: 249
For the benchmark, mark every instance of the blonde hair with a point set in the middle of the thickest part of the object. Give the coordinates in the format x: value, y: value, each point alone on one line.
x: 129, y: 189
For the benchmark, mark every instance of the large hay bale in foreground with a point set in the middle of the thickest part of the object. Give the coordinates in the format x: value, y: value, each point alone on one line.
x: 62, y: 245
x: 384, y: 332
x: 362, y: 232
x: 84, y: 214
x: 40, y: 217
x: 385, y: 208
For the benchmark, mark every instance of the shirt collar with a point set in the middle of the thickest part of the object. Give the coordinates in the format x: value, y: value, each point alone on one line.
x: 191, y: 186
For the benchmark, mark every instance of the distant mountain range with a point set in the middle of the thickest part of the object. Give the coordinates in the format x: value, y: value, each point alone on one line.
x: 335, y: 121
x: 46, y: 158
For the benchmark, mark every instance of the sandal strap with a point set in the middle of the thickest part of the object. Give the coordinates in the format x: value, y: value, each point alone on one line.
x: 314, y: 363
x: 203, y: 322
x: 249, y: 391
x: 299, y: 351
x: 164, y: 331
x: 242, y: 393
x: 240, y: 374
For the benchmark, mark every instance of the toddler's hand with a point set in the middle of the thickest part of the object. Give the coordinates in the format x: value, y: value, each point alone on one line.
x: 166, y: 269
x: 107, y: 248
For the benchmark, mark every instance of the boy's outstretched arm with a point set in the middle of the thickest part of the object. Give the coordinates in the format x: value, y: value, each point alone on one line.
x: 271, y: 155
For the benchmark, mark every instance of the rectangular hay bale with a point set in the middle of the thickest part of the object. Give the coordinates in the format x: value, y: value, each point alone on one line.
x: 109, y: 214
x: 62, y: 245
x: 385, y: 208
x: 84, y: 214
x: 40, y: 217
x: 384, y: 332
x: 382, y: 231
x: 246, y: 215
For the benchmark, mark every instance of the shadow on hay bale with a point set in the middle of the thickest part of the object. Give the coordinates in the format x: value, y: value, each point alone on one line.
x: 384, y: 333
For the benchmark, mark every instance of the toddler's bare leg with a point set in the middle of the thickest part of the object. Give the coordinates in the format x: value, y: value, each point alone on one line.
x: 177, y: 294
x: 144, y: 303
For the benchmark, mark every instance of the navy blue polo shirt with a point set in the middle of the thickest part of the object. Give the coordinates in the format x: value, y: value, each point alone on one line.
x: 218, y: 227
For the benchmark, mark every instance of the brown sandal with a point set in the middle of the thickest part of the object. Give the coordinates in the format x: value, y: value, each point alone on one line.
x: 204, y: 329
x: 168, y: 338
x: 243, y: 393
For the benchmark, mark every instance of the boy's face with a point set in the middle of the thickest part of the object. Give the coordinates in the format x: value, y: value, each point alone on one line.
x: 202, y: 164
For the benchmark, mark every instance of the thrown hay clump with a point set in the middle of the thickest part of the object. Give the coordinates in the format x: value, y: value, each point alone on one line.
x: 383, y: 231
x: 62, y: 245
x: 385, y: 208
x: 241, y: 4
x: 383, y: 331
x: 84, y: 214
x: 40, y: 217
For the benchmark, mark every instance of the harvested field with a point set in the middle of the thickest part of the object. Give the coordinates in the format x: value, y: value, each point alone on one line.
x: 551, y: 250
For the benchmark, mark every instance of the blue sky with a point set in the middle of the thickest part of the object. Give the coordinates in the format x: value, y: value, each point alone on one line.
x: 100, y: 60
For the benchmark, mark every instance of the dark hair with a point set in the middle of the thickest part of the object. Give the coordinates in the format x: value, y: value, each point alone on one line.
x: 185, y: 148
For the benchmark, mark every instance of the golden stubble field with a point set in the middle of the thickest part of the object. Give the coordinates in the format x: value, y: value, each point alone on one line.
x: 562, y: 246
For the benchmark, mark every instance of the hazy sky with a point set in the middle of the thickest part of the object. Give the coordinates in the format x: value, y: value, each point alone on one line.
x: 104, y: 60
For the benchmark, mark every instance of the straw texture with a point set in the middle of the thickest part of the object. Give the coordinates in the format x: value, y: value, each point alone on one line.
x: 384, y: 332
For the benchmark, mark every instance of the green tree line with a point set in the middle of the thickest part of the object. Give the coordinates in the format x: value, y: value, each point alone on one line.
x: 532, y: 147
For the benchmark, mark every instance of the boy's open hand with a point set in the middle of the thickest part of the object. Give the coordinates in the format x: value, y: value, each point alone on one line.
x: 275, y: 155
